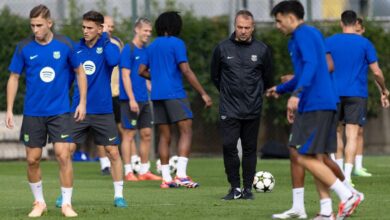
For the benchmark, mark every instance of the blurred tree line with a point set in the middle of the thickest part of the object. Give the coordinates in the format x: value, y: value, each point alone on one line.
x: 201, y: 36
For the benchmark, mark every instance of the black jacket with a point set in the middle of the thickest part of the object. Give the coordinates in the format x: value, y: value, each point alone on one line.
x: 241, y: 71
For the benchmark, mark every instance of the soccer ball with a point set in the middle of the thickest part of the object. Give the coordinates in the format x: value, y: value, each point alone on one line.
x: 263, y: 181
x: 173, y: 164
x: 136, y: 165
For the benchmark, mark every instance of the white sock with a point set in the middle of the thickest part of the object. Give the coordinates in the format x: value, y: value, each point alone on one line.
x: 134, y: 158
x: 333, y: 157
x: 104, y: 162
x: 340, y: 162
x: 341, y: 190
x: 118, y: 189
x: 36, y: 189
x: 348, y: 170
x: 128, y: 169
x: 358, y: 162
x: 349, y: 186
x: 326, y: 207
x: 66, y: 195
x: 166, y: 175
x: 298, y: 199
x: 144, y: 168
x: 182, y: 167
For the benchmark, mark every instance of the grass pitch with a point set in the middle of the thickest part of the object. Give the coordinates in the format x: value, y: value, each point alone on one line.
x: 93, y: 193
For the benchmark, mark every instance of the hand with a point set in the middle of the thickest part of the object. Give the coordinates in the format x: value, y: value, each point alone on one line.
x: 286, y: 77
x: 207, y: 101
x: 385, y: 101
x: 9, y: 120
x: 271, y: 92
x: 133, y: 106
x: 105, y: 27
x: 80, y: 113
x: 292, y: 106
x: 290, y: 116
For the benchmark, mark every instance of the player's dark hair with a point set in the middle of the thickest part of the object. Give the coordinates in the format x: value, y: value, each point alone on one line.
x: 40, y: 10
x: 140, y: 21
x: 360, y: 21
x: 244, y: 13
x: 348, y: 18
x: 289, y: 7
x: 168, y: 23
x: 94, y: 16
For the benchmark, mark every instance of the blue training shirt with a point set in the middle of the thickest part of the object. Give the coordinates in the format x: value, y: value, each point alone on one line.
x: 98, y: 63
x: 48, y: 69
x: 351, y: 54
x: 131, y: 59
x: 163, y: 57
x: 307, y: 51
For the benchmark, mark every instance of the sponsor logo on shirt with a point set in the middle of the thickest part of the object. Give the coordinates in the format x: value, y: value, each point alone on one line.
x: 137, y: 58
x: 57, y: 55
x: 89, y: 67
x: 254, y: 58
x: 33, y: 57
x: 99, y: 50
x: 47, y: 74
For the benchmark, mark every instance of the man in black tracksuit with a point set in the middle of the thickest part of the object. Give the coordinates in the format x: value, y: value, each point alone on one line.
x: 241, y: 69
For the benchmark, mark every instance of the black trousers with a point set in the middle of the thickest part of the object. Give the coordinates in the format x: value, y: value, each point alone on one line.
x: 247, y: 130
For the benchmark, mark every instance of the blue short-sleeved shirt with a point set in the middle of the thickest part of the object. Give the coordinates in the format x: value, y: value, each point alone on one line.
x: 131, y: 59
x: 49, y: 69
x: 308, y: 55
x: 98, y: 63
x: 163, y: 57
x: 351, y: 55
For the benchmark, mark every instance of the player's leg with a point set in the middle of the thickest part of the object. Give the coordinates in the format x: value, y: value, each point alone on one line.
x: 298, y: 193
x: 145, y: 145
x: 339, y: 156
x: 129, y: 122
x: 126, y: 148
x: 351, y: 133
x: 105, y: 164
x: 179, y: 112
x: 60, y: 134
x: 326, y: 210
x: 249, y: 133
x: 359, y: 169
x: 106, y: 134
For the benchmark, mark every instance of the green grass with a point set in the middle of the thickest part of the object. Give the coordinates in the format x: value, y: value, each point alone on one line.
x: 93, y: 193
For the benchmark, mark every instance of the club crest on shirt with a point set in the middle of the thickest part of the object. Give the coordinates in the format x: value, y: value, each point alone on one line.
x: 99, y: 50
x: 254, y: 58
x: 57, y: 55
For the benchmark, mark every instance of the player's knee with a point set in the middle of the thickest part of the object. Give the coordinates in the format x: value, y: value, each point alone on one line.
x: 32, y: 161
x: 146, y: 136
x: 62, y: 157
x: 114, y: 155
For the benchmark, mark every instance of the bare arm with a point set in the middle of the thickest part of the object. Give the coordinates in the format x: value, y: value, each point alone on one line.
x: 12, y: 88
x: 329, y: 61
x: 80, y: 112
x: 129, y: 89
x: 191, y: 78
x: 143, y: 71
x: 379, y: 78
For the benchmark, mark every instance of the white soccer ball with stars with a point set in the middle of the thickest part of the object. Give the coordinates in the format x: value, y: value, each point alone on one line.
x: 263, y: 181
x: 172, y: 165
x: 136, y: 165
